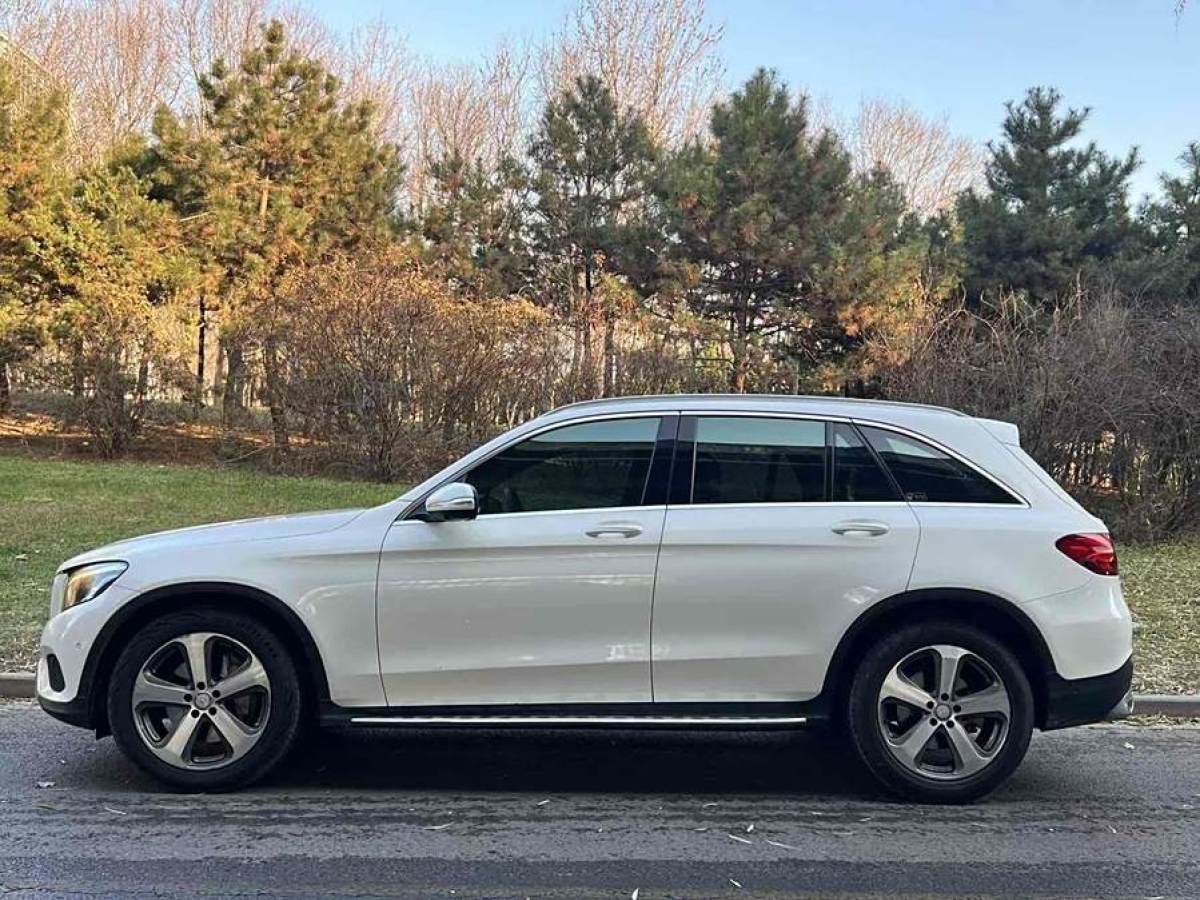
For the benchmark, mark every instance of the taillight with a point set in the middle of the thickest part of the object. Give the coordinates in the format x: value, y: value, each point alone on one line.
x: 1092, y: 551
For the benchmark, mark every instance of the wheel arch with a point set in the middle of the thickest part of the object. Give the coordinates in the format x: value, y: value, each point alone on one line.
x: 230, y: 595
x: 1001, y: 618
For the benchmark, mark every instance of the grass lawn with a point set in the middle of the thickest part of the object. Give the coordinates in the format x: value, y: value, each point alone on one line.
x: 50, y: 510
x: 1162, y: 586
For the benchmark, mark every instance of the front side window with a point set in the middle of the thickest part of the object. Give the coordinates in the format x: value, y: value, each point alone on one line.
x: 592, y: 465
x: 741, y: 459
x: 926, y: 474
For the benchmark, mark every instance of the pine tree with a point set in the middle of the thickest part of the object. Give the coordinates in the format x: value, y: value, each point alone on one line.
x: 473, y: 225
x: 1053, y: 211
x: 755, y: 217
x: 591, y: 164
x: 280, y: 171
x: 1173, y: 226
x: 33, y: 132
x: 882, y: 270
x: 113, y: 270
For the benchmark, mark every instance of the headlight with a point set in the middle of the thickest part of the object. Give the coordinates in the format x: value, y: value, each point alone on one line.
x: 89, y: 582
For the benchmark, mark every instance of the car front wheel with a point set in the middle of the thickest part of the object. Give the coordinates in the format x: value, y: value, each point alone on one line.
x: 940, y: 712
x: 205, y: 699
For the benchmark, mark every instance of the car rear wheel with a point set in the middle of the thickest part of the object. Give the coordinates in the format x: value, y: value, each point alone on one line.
x: 940, y: 712
x: 205, y: 699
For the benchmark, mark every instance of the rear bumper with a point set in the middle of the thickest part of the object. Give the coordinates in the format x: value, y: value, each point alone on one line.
x: 1081, y: 701
x: 1087, y: 630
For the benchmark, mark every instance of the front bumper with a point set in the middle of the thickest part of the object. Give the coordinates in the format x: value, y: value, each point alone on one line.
x: 70, y: 637
x: 1081, y: 701
x: 77, y: 712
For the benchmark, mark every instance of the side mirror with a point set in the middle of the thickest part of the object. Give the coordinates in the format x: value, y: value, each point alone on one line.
x: 451, y: 501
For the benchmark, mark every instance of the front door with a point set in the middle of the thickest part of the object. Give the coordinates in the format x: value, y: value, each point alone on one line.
x: 788, y: 530
x: 545, y: 597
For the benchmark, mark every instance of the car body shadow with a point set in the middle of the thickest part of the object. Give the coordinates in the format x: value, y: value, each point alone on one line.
x: 816, y: 761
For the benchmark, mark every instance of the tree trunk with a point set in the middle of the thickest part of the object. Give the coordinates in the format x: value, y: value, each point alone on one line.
x: 610, y: 353
x: 737, y: 381
x: 201, y: 348
x: 232, y: 404
x: 77, y: 375
x: 141, y: 389
x: 741, y: 347
x: 593, y: 328
x: 5, y: 389
x: 274, y: 397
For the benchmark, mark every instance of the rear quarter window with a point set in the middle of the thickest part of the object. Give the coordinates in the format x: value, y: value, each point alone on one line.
x: 927, y: 475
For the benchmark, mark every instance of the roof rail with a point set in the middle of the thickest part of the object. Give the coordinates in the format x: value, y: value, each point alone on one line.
x: 780, y: 398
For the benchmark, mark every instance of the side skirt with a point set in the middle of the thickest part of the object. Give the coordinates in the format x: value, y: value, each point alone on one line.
x: 601, y: 715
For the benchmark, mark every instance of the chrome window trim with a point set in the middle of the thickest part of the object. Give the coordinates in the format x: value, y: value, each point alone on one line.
x: 616, y: 510
x: 784, y: 504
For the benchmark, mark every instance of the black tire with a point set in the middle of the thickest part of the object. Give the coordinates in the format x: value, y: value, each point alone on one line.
x: 284, y: 718
x: 868, y: 733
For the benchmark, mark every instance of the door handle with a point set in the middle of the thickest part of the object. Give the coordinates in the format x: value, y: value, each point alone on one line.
x: 615, y: 529
x: 872, y: 528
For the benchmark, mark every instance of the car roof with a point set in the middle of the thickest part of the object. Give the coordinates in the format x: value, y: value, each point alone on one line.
x: 882, y: 410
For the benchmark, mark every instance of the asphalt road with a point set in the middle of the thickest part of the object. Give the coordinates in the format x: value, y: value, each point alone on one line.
x: 1111, y: 811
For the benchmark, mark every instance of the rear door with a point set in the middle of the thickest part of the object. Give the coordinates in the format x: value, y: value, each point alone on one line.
x: 780, y: 532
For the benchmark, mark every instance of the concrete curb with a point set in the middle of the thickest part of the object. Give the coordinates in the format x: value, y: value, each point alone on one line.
x: 17, y: 685
x: 20, y: 686
x: 1184, y: 706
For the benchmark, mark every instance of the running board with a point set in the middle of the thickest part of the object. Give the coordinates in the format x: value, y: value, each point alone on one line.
x: 585, y: 721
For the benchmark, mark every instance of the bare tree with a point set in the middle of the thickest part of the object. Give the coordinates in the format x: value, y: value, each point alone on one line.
x: 205, y: 31
x: 659, y: 58
x: 932, y: 164
x: 115, y: 58
x: 476, y: 110
x: 41, y: 29
x: 120, y: 59
x: 376, y: 65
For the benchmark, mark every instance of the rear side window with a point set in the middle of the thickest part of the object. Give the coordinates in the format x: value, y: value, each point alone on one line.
x: 742, y: 459
x: 592, y: 465
x: 857, y: 475
x: 926, y: 474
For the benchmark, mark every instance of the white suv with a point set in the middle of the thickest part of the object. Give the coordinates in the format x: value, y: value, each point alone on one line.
x: 675, y: 561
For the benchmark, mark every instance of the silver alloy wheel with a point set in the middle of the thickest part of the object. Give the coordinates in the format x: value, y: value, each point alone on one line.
x: 201, y: 701
x: 944, y: 712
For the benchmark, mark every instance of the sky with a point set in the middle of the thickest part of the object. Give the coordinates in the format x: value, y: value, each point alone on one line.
x: 1134, y: 62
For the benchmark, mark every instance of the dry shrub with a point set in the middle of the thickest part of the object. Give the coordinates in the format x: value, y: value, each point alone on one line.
x: 1107, y: 397
x: 398, y: 373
